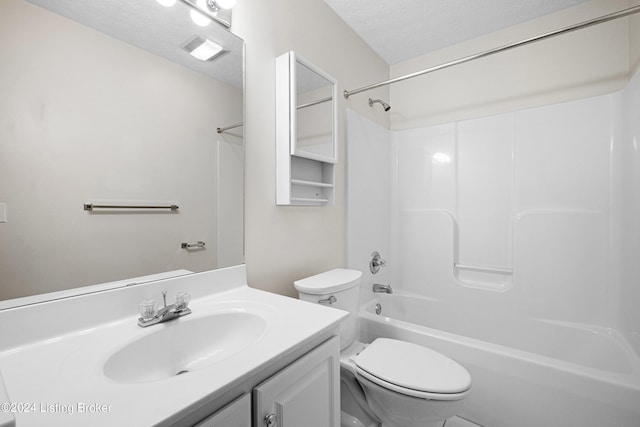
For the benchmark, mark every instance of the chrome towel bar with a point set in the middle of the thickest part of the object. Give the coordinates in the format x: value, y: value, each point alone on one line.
x: 92, y: 206
x: 199, y: 245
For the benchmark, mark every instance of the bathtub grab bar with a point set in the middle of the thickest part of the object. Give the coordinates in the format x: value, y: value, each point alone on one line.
x: 498, y: 270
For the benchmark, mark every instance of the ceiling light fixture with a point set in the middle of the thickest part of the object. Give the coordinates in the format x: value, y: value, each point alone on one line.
x: 204, y: 11
x: 167, y: 3
x: 204, y: 49
x: 197, y: 15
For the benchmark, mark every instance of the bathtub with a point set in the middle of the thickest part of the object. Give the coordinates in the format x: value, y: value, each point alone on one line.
x: 525, y: 372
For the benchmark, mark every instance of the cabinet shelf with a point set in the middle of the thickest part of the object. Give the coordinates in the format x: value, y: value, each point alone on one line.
x: 306, y: 183
x: 311, y: 183
x: 308, y: 200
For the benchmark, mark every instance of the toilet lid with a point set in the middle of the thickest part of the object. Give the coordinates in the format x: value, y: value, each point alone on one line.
x: 411, y: 369
x: 335, y: 280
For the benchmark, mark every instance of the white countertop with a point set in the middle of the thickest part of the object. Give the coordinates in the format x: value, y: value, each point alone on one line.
x: 60, y: 380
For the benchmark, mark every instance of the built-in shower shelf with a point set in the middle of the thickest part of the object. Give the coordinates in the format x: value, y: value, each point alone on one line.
x: 485, y: 277
x: 311, y: 184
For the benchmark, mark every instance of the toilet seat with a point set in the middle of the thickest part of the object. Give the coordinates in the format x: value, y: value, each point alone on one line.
x: 412, y: 370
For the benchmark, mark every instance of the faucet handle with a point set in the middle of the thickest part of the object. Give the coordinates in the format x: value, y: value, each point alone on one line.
x: 148, y: 309
x: 182, y: 300
x: 376, y: 262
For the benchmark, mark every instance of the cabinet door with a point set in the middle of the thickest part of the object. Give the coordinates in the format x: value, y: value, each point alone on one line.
x: 305, y: 393
x: 235, y: 414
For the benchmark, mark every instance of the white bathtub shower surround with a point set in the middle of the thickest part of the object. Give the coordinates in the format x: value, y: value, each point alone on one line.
x: 524, y: 227
x: 518, y: 189
x: 54, y: 356
x: 526, y: 373
x: 629, y: 227
x: 528, y: 204
x: 537, y: 217
x: 368, y: 191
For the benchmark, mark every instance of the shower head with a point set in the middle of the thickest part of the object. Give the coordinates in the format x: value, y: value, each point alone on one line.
x: 386, y: 106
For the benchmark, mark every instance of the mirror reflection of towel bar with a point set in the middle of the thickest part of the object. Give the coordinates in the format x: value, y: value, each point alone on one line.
x: 92, y: 206
x: 226, y: 128
x: 199, y: 245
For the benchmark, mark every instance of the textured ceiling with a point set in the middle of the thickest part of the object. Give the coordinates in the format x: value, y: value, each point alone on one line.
x: 403, y: 29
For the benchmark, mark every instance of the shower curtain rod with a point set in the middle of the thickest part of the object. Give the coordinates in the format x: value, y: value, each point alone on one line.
x: 579, y: 26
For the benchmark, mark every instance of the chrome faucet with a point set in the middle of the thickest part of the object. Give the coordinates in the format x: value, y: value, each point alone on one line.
x: 383, y: 289
x: 149, y: 315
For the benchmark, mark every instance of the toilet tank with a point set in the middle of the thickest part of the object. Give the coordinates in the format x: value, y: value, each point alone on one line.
x: 338, y: 288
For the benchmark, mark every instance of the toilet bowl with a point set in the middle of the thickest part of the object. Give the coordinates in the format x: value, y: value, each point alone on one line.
x: 397, y: 383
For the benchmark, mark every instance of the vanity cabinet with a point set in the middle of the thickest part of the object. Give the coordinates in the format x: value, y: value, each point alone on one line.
x: 305, y: 393
x: 235, y: 414
x: 306, y: 129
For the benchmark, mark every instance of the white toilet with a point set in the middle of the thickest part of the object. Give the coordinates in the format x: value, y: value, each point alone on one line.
x: 400, y: 384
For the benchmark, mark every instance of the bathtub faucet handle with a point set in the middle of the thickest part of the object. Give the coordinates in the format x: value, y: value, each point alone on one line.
x: 376, y: 262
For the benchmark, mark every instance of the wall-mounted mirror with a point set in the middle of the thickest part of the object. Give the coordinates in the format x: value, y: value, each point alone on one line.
x: 309, y: 109
x: 103, y: 102
x: 306, y: 132
x: 315, y: 122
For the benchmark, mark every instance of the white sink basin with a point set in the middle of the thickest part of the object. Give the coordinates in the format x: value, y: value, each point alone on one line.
x: 183, y: 346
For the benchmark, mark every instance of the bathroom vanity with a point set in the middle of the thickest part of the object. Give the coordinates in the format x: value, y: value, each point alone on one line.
x: 84, y: 360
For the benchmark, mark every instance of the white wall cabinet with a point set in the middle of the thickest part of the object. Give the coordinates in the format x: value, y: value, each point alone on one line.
x: 306, y: 132
x: 305, y: 393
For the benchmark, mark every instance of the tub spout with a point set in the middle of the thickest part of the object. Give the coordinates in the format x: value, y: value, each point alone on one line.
x: 383, y: 289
